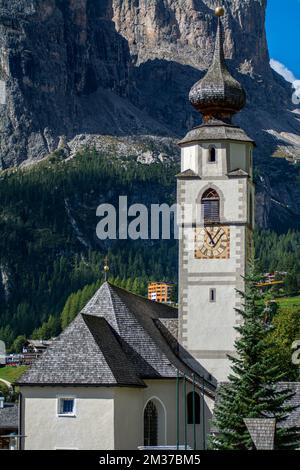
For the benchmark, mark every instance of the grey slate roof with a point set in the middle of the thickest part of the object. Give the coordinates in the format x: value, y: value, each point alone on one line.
x: 262, y: 432
x: 87, y: 352
x: 238, y: 173
x: 9, y: 416
x: 293, y: 419
x: 118, y: 339
x: 213, y: 132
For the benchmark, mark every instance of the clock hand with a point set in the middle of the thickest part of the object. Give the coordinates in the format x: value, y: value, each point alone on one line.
x: 211, y: 238
x: 219, y: 238
x: 215, y: 236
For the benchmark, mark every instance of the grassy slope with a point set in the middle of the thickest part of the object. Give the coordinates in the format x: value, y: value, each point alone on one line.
x: 11, y: 374
x: 289, y: 301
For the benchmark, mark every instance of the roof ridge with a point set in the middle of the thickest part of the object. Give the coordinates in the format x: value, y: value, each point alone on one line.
x: 141, y: 297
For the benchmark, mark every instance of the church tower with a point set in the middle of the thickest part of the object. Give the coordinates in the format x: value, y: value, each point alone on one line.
x: 216, y: 198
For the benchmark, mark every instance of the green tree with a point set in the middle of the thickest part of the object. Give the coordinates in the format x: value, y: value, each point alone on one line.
x: 4, y: 391
x: 284, y: 331
x: 18, y: 344
x: 6, y: 335
x: 251, y: 391
x: 136, y: 286
x: 76, y: 302
x: 48, y: 330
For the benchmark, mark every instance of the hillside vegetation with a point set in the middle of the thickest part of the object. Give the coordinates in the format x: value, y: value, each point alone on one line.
x: 48, y: 244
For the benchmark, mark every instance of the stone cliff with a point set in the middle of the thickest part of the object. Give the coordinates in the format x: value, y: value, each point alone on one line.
x: 122, y: 67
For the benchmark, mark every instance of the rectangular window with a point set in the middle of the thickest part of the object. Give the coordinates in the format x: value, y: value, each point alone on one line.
x: 212, y: 295
x: 66, y: 407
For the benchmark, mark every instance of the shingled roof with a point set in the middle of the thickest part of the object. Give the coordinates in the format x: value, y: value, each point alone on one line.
x: 118, y: 339
x: 9, y: 416
x: 293, y: 418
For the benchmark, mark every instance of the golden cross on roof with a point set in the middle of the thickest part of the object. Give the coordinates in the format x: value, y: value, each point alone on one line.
x: 106, y: 267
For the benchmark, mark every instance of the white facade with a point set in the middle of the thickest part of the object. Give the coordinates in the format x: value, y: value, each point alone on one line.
x: 105, y: 418
x: 208, y: 285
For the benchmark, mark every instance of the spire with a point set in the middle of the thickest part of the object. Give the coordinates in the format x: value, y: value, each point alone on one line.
x: 219, y: 57
x: 218, y: 96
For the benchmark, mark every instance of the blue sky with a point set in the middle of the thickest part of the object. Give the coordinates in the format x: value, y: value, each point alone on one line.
x: 283, y: 20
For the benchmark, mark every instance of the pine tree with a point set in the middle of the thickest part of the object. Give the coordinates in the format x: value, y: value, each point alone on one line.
x: 251, y: 391
x: 136, y: 286
x: 18, y: 344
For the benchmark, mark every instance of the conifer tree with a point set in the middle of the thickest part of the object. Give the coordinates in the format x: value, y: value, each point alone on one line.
x: 252, y: 390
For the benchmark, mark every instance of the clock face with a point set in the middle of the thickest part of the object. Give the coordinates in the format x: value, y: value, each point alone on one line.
x: 212, y: 242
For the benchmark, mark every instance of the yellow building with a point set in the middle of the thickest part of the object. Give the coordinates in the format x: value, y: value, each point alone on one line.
x: 160, y: 291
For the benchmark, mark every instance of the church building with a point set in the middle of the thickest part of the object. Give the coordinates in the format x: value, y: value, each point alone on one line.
x: 129, y: 372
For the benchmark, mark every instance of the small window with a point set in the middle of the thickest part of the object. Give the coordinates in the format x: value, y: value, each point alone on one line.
x: 212, y: 158
x: 212, y: 295
x: 66, y: 407
x: 193, y: 408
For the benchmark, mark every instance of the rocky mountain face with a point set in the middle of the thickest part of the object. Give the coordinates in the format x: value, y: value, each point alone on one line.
x: 66, y: 71
x: 72, y: 68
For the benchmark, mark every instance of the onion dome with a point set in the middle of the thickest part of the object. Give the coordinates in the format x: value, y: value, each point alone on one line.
x: 218, y: 96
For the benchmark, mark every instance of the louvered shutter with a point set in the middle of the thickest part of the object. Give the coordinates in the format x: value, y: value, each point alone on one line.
x: 211, y: 210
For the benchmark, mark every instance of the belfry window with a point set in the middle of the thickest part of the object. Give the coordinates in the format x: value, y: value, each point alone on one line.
x: 193, y: 408
x: 210, y: 203
x: 212, y: 158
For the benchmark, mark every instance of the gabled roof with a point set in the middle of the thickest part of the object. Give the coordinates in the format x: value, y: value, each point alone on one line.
x: 118, y: 339
x: 37, y: 343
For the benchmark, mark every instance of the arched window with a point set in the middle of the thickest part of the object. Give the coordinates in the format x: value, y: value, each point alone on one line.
x: 211, y: 206
x: 193, y: 403
x: 212, y: 158
x: 150, y: 425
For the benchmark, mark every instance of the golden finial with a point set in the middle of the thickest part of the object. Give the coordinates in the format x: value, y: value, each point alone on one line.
x: 106, y: 267
x: 219, y: 11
